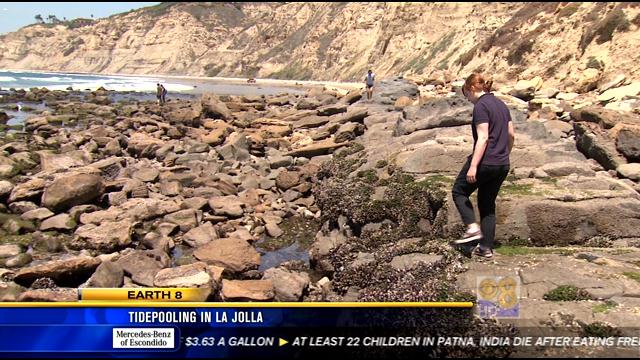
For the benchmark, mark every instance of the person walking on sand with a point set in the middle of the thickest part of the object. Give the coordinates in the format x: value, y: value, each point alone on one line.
x: 368, y: 80
x: 161, y: 94
x: 486, y: 169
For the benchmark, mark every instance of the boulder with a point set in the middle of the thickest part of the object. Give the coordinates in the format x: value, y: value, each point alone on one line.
x: 526, y: 89
x: 37, y: 214
x: 247, y: 290
x: 617, y: 94
x: 349, y: 131
x: 201, y: 235
x: 628, y: 143
x: 410, y: 261
x: 108, y: 275
x: 26, y: 191
x: 236, y: 147
x: 611, y: 81
x: 68, y: 160
x: 67, y: 272
x: 187, y: 219
x: 288, y: 285
x: 213, y: 108
x: 69, y: 191
x: 59, y: 222
x: 143, y: 265
x: 187, y: 276
x: 49, y: 295
x: 235, y: 255
x: 288, y: 179
x: 108, y: 237
x: 230, y: 206
x: 629, y: 171
x: 567, y: 168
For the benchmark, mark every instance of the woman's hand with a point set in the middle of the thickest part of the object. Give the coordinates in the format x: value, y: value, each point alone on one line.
x: 471, y: 174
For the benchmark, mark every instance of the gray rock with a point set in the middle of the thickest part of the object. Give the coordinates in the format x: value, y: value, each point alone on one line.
x: 107, y: 237
x: 629, y: 171
x: 187, y: 276
x: 155, y: 241
x: 213, y: 108
x: 349, y: 131
x: 72, y: 190
x: 247, y: 290
x: 5, y: 189
x: 410, y: 261
x: 58, y: 222
x: 21, y: 207
x: 10, y: 291
x: 27, y: 191
x: 49, y: 295
x: 201, y: 235
x: 236, y: 147
x: 273, y: 230
x: 227, y: 206
x: 108, y: 275
x: 186, y: 219
x: 143, y: 265
x: 291, y: 195
x: 288, y: 285
x: 9, y: 250
x: 279, y: 161
x: 37, y: 214
x: 235, y: 255
x: 567, y: 168
x: 172, y: 188
x: 146, y: 175
x: 67, y: 272
x: 19, y: 260
x: 628, y: 143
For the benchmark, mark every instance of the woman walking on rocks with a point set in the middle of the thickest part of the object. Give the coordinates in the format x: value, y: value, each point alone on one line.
x: 487, y: 167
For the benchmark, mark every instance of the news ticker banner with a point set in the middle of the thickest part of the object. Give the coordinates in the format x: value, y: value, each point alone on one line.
x: 171, y: 323
x: 230, y: 330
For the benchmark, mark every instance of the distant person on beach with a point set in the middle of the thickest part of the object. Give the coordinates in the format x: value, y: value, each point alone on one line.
x: 161, y: 94
x: 368, y: 80
x: 487, y: 167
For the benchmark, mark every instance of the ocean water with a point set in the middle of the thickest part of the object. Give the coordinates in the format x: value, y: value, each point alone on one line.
x: 61, y: 81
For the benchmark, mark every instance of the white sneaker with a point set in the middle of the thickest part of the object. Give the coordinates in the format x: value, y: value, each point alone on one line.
x: 469, y: 236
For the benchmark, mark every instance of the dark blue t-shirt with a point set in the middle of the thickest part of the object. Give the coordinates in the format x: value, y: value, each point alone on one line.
x: 490, y: 109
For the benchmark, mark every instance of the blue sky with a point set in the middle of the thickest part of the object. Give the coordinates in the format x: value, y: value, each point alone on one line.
x: 14, y: 15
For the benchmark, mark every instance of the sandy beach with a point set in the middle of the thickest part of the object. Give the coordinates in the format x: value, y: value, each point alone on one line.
x: 220, y: 80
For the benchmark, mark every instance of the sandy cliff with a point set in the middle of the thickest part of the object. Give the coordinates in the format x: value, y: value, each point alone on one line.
x: 339, y: 41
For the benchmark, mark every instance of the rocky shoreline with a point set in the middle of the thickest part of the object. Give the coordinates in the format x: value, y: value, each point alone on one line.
x: 97, y: 193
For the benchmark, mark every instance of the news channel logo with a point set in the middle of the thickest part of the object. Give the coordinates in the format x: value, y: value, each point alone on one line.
x: 498, y: 297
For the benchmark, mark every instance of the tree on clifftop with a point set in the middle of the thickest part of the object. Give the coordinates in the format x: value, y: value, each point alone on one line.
x: 39, y: 19
x: 53, y: 19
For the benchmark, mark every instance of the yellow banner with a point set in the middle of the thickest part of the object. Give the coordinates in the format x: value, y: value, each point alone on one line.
x: 145, y: 294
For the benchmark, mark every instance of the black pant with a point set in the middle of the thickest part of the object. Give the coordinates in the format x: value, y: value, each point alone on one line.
x: 489, y: 178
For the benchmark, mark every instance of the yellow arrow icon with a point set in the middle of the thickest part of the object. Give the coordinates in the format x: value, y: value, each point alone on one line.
x: 282, y: 341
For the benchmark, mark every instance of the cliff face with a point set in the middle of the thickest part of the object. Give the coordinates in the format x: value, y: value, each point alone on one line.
x: 340, y: 41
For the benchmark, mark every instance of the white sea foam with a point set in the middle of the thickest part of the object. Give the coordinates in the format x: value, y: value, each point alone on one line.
x: 121, y: 86
x: 6, y: 78
x: 49, y: 79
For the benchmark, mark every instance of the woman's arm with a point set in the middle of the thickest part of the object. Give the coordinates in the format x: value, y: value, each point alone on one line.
x: 481, y: 145
x: 512, y: 135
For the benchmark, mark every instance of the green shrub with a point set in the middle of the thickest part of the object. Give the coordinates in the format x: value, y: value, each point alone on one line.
x: 567, y: 293
x: 599, y: 329
x: 569, y: 10
x: 594, y: 63
x: 605, y: 307
x: 632, y: 275
x: 381, y: 163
